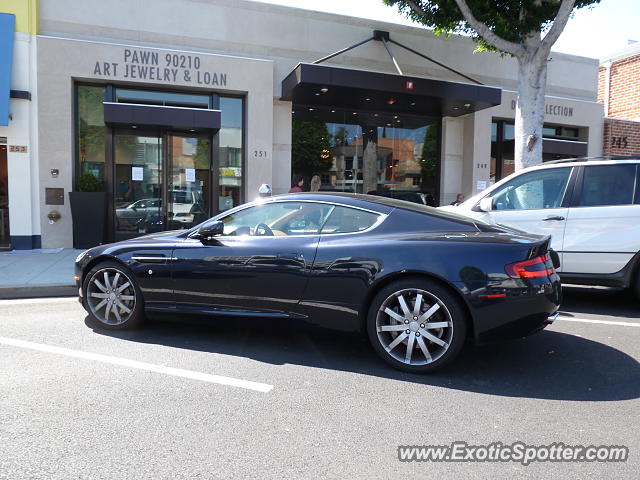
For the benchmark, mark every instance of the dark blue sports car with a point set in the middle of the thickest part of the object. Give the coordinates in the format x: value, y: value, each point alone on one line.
x: 416, y: 280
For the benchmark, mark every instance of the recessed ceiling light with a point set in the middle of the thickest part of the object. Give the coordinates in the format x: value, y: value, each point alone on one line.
x: 355, y: 113
x: 388, y: 124
x: 395, y: 116
x: 333, y: 111
x: 311, y: 109
x: 317, y: 94
x: 467, y: 105
x: 324, y: 89
x: 455, y: 108
x: 397, y: 120
x: 375, y: 114
x: 133, y: 126
x: 367, y: 99
x: 413, y: 103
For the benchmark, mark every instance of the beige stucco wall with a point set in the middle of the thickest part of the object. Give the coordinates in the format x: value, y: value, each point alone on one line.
x: 473, y: 132
x: 258, y: 45
x: 62, y: 62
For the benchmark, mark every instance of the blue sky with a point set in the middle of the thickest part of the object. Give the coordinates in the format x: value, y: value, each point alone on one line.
x: 594, y: 32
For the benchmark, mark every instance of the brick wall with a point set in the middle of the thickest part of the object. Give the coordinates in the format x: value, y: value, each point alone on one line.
x: 621, y: 137
x: 624, y: 88
x: 601, y: 79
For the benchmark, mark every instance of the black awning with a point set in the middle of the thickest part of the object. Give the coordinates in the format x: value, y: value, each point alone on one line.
x: 329, y: 86
x: 180, y: 118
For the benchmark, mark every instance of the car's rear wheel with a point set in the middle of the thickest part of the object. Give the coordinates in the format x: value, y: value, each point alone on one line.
x: 417, y: 325
x: 112, y: 297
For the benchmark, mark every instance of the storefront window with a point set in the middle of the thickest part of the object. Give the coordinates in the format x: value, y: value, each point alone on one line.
x: 503, y: 146
x: 363, y: 152
x: 92, y: 132
x: 151, y: 97
x: 230, y: 153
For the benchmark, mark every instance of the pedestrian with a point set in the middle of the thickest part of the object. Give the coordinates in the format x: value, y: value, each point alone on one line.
x: 298, y: 182
x: 315, y: 183
x: 459, y: 199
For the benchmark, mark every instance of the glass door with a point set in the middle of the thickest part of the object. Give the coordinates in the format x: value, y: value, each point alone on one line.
x: 4, y: 199
x: 189, y: 183
x: 138, y: 184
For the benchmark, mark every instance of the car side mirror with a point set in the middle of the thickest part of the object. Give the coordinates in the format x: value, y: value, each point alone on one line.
x: 208, y: 231
x: 486, y: 204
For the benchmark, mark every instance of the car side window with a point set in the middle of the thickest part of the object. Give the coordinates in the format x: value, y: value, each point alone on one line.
x: 534, y: 190
x: 604, y: 185
x: 348, y: 220
x: 277, y: 219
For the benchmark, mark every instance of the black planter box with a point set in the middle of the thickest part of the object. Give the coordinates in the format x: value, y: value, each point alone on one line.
x: 88, y: 211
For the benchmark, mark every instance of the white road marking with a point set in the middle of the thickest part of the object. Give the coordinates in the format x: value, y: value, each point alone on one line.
x: 28, y: 301
x: 605, y: 322
x: 123, y: 362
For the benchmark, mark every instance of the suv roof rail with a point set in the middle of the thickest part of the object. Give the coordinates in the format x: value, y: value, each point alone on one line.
x: 595, y: 159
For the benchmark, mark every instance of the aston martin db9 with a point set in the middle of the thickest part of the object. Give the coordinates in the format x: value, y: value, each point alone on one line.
x: 417, y: 281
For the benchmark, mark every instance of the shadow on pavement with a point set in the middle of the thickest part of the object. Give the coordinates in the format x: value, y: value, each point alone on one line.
x: 548, y: 365
x: 613, y: 302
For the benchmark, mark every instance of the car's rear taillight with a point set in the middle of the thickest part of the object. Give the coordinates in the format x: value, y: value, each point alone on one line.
x: 536, y: 267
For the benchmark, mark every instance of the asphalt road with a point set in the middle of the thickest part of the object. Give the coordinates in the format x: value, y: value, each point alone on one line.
x: 78, y: 402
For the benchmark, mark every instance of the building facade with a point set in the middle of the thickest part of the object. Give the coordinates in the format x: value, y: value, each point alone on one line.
x: 619, y: 92
x: 181, y: 109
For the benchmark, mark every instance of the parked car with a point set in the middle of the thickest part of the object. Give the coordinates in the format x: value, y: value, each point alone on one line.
x: 590, y: 207
x: 417, y: 281
x: 131, y: 216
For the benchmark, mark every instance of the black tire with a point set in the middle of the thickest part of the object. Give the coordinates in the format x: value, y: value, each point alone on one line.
x: 447, y: 323
x: 118, y: 299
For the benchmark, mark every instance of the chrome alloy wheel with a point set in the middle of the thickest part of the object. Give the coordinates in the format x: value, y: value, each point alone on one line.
x: 414, y: 326
x: 111, y: 296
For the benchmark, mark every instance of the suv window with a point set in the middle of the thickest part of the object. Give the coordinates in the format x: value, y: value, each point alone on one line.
x: 534, y: 190
x: 607, y: 185
x: 348, y: 220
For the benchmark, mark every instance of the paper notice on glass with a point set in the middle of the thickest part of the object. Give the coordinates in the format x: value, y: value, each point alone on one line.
x: 481, y: 185
x: 137, y: 174
x: 190, y: 174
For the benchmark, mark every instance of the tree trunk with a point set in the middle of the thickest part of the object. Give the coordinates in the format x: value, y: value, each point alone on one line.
x: 532, y: 80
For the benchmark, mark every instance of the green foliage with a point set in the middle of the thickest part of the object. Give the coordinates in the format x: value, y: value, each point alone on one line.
x: 87, y: 182
x: 308, y: 141
x: 512, y: 20
x: 429, y: 161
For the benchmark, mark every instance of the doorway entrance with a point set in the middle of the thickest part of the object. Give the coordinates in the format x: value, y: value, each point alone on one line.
x: 4, y: 199
x: 161, y: 181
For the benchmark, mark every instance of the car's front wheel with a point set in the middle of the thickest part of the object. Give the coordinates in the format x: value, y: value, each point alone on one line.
x: 112, y: 297
x: 416, y: 325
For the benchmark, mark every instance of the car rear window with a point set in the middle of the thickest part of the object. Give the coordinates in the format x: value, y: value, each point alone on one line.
x: 605, y: 185
x: 349, y: 220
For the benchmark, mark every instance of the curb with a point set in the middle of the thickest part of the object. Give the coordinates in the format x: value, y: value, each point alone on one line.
x: 37, y: 291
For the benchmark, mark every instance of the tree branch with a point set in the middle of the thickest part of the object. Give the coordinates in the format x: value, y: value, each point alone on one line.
x: 483, y: 30
x: 558, y: 24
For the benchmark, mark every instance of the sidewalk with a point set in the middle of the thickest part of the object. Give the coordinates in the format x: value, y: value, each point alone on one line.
x: 37, y: 273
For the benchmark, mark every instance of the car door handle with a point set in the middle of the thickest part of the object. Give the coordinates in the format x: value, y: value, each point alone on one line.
x: 553, y: 217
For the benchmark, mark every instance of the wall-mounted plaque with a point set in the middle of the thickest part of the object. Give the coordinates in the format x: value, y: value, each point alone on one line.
x: 54, y: 196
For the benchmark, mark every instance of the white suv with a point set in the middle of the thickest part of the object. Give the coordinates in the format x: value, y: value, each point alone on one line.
x: 590, y: 207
